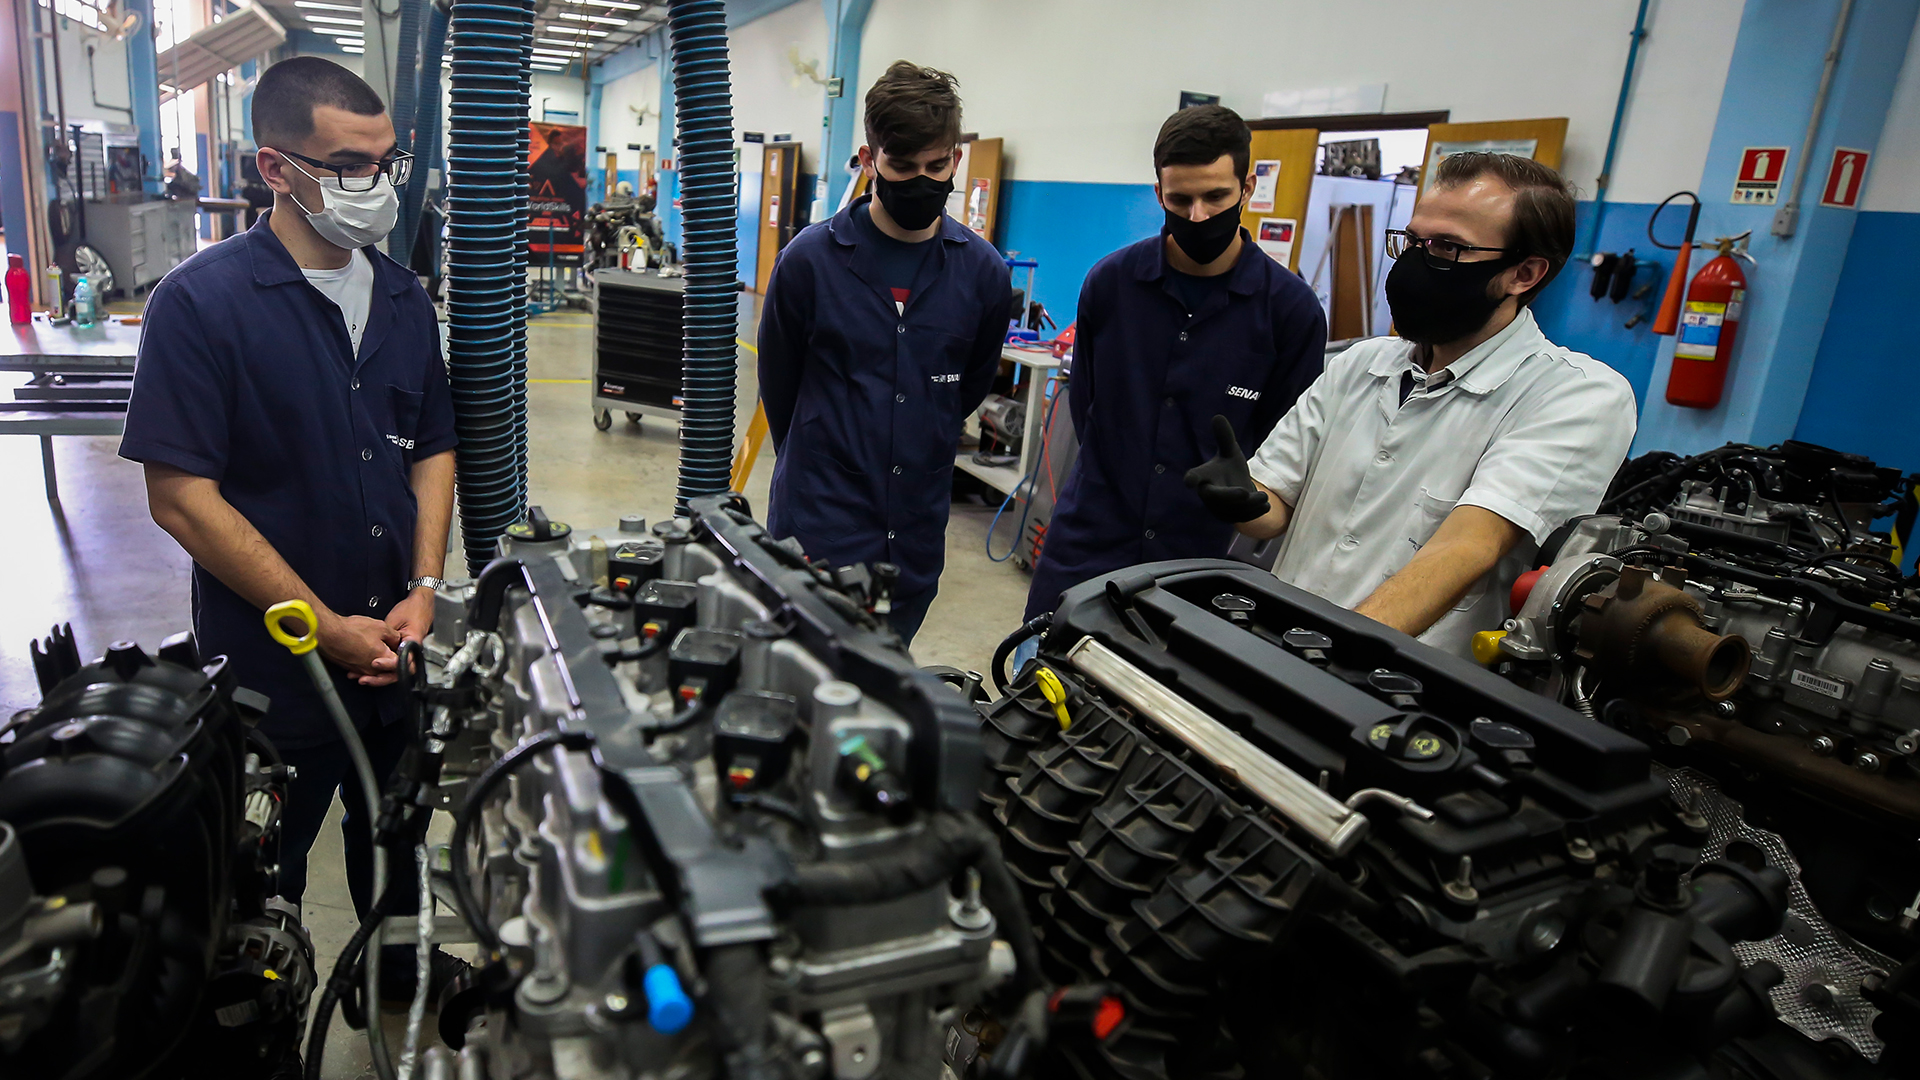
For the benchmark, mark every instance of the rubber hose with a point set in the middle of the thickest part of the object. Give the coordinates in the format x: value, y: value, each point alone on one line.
x: 950, y: 843
x: 406, y: 95
x: 1012, y: 641
x: 426, y: 140
x: 486, y: 302
x: 523, y: 135
x: 737, y: 988
x: 703, y: 104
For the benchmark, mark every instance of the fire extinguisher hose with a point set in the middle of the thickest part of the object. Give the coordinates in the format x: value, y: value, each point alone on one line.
x: 1668, y: 321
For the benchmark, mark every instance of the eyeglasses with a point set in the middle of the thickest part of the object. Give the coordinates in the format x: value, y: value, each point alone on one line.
x: 363, y: 175
x: 1441, y: 254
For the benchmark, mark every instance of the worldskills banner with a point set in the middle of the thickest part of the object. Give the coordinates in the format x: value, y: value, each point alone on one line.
x: 557, y: 168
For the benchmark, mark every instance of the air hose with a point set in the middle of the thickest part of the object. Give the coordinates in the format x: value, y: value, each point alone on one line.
x: 486, y: 279
x: 425, y: 145
x: 703, y: 102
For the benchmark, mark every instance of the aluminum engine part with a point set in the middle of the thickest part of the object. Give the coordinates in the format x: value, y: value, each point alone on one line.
x: 741, y: 751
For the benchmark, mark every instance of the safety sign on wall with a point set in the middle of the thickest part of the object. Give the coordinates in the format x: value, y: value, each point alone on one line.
x: 1761, y: 168
x: 1845, y: 177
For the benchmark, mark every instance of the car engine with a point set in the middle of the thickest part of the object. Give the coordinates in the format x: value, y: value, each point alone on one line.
x: 139, y: 825
x: 1735, y: 611
x: 1306, y: 845
x: 716, y: 822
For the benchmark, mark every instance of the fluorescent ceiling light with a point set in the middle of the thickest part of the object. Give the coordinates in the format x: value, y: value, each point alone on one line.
x: 352, y: 49
x: 593, y: 18
x: 333, y: 19
x: 350, y: 39
x: 318, y: 6
x: 558, y: 41
x: 618, y: 5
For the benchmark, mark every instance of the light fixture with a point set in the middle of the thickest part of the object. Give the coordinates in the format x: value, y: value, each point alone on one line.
x: 576, y: 16
x: 318, y: 6
x: 352, y: 49
x: 619, y: 5
x: 333, y: 20
x: 350, y: 39
x: 561, y: 41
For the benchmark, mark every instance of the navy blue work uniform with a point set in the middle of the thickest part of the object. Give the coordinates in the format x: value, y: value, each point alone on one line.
x: 1148, y: 378
x: 246, y: 376
x: 865, y: 402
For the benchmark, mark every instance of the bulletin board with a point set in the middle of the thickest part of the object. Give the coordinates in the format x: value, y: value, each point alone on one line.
x: 1283, y: 163
x: 1543, y: 140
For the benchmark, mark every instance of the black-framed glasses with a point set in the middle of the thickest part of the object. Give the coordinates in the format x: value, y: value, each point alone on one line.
x: 363, y: 175
x: 1441, y: 254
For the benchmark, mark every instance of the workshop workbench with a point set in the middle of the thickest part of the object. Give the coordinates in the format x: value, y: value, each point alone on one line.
x: 1039, y: 366
x: 80, y: 380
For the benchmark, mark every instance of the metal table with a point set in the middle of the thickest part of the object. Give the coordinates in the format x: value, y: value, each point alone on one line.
x: 81, y: 380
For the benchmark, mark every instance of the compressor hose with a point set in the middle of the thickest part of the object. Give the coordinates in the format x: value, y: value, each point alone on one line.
x: 486, y: 280
x: 704, y: 104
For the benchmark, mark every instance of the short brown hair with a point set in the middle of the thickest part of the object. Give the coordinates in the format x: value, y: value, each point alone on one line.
x: 1542, y: 206
x: 1199, y: 135
x: 913, y: 108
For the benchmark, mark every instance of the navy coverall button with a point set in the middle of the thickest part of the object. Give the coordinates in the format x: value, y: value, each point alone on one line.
x: 373, y: 601
x: 1149, y: 534
x: 899, y: 397
x: 377, y: 530
x: 889, y: 534
x: 901, y: 329
x: 896, y: 470
x: 366, y: 455
x: 354, y: 385
x: 1183, y: 335
x: 1158, y: 469
x: 1169, y: 403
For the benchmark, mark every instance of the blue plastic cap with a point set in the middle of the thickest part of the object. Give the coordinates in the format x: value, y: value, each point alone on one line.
x: 668, y: 1007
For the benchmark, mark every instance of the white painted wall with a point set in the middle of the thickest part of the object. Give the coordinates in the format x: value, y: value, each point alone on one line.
x: 1893, y: 179
x: 620, y: 125
x: 1079, y: 87
x: 561, y: 93
x: 769, y: 96
x: 110, y: 68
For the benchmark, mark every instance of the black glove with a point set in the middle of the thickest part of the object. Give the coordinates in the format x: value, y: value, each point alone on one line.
x: 1224, y: 484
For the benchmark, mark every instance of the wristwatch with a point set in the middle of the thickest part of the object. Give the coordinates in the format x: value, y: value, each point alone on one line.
x: 433, y: 583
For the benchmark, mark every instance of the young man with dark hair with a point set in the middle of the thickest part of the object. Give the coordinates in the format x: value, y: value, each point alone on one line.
x: 1180, y: 336
x: 880, y: 332
x: 292, y: 412
x: 1416, y: 478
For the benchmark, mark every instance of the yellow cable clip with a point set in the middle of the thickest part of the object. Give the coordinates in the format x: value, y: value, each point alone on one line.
x: 304, y: 642
x: 1055, y: 693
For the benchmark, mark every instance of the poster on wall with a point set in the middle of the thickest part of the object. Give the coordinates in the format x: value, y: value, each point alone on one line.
x: 978, y: 192
x: 1276, y: 239
x: 557, y: 189
x: 1758, y: 183
x: 1266, y: 178
x: 1441, y: 151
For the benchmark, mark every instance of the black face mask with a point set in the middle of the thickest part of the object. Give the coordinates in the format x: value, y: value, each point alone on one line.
x: 912, y: 204
x: 1433, y: 307
x: 1204, y: 241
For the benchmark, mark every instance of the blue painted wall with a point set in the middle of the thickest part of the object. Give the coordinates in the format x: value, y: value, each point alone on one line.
x: 1865, y: 390
x: 746, y: 225
x: 1068, y: 227
x: 1570, y: 316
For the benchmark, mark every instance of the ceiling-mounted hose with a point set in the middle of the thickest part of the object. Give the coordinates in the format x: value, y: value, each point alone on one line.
x: 486, y: 278
x: 524, y: 185
x: 406, y: 95
x: 703, y: 103
x: 425, y: 145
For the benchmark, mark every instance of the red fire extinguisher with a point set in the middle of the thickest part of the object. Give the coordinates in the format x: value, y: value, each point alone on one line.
x: 1708, y: 323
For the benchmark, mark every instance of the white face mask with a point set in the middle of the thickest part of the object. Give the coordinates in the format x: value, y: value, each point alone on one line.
x: 351, y: 219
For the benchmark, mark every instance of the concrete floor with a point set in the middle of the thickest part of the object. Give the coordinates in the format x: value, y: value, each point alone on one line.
x: 97, y: 560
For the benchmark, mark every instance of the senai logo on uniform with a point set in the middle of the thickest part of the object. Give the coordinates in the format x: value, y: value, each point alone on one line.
x: 947, y: 378
x: 1243, y: 392
x: 404, y: 444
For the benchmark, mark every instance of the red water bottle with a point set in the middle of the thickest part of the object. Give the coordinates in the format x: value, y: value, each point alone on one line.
x: 19, y: 287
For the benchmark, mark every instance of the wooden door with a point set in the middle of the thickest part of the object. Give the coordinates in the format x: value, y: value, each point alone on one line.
x: 777, y: 178
x: 1288, y: 156
x: 612, y: 177
x: 981, y: 203
x: 1542, y: 140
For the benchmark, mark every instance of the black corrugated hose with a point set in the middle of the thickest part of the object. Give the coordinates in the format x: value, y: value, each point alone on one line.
x: 486, y: 282
x: 703, y: 103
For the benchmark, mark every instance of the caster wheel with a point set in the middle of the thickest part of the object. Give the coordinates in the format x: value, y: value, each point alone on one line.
x: 633, y: 418
x: 602, y: 420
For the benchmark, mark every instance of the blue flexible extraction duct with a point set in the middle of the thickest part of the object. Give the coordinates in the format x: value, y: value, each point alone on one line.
x: 426, y: 140
x: 406, y: 94
x: 486, y: 277
x: 704, y: 104
x: 520, y: 251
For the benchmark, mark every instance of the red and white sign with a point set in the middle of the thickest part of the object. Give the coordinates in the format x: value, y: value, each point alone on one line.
x: 1845, y: 177
x: 1761, y: 168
